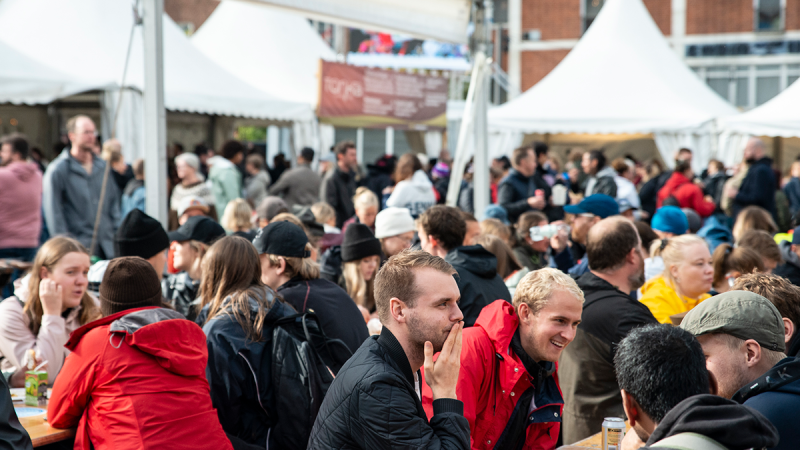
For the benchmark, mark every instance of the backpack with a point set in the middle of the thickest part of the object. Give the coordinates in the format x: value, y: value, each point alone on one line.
x: 303, y: 368
x: 606, y: 185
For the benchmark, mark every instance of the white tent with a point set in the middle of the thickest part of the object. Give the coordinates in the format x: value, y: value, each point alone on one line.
x: 443, y: 20
x: 88, y: 40
x: 621, y: 77
x: 27, y: 81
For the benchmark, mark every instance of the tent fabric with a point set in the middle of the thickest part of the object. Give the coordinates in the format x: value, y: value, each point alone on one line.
x: 621, y: 77
x: 442, y: 20
x: 778, y: 117
x: 272, y: 50
x: 26, y: 81
x: 92, y: 49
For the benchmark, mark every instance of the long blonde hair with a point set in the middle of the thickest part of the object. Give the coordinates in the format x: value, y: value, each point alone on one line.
x: 232, y: 270
x: 237, y: 216
x: 48, y: 256
x: 672, y: 251
x: 359, y: 289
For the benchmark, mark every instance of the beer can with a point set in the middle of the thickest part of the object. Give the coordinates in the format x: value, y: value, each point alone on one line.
x: 613, y: 432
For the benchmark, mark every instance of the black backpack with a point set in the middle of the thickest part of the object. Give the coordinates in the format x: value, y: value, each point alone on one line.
x: 303, y: 368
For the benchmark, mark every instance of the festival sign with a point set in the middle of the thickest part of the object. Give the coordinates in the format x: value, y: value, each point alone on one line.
x: 360, y: 97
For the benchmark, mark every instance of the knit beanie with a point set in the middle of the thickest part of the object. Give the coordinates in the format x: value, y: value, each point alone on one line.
x: 140, y: 235
x: 359, y: 243
x: 130, y: 282
x: 393, y: 221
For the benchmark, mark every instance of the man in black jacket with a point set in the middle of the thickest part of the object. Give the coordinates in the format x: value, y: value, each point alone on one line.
x: 587, y: 376
x: 758, y: 187
x: 374, y: 402
x: 523, y: 189
x: 339, y: 184
x: 12, y: 435
x: 441, y: 233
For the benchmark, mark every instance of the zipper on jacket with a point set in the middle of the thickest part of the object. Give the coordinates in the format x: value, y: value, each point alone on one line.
x: 255, y: 380
x: 498, y: 358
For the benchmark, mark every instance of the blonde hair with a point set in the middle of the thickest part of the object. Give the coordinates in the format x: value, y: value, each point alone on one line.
x: 365, y: 198
x: 50, y: 254
x: 200, y: 249
x: 323, y: 212
x: 360, y: 290
x: 672, y: 251
x: 305, y: 268
x: 536, y: 288
x: 237, y: 216
x: 497, y: 228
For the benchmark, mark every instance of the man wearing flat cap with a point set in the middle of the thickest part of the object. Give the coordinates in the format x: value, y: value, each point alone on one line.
x: 742, y: 334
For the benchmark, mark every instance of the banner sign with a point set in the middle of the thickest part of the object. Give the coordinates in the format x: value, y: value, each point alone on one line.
x: 361, y: 97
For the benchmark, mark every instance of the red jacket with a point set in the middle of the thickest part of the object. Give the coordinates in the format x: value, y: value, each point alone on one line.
x: 137, y: 380
x: 688, y: 195
x: 492, y: 379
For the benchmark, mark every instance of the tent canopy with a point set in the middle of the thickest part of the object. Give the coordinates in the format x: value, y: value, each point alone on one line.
x: 443, y: 20
x: 778, y: 117
x: 93, y: 47
x: 26, y: 81
x: 275, y: 51
x: 621, y: 77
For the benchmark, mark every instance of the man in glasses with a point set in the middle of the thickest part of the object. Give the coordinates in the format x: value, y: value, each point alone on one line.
x: 586, y: 370
x: 72, y: 189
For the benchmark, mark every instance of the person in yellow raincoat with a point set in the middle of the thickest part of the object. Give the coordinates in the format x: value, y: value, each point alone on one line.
x: 687, y: 277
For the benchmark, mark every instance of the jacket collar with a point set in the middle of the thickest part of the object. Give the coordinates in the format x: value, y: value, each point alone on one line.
x: 76, y: 335
x: 396, y: 352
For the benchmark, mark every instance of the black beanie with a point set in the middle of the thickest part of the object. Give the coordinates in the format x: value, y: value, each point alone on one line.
x: 129, y: 282
x: 140, y: 235
x: 359, y: 242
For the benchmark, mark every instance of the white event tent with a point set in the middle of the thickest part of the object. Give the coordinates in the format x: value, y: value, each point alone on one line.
x: 274, y: 50
x: 778, y: 117
x: 88, y: 40
x: 26, y: 81
x: 621, y: 77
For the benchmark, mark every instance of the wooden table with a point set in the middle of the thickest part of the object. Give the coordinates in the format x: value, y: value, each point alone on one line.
x: 593, y: 442
x: 39, y: 429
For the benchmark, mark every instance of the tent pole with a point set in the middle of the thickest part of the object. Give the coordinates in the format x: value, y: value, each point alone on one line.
x: 155, y: 116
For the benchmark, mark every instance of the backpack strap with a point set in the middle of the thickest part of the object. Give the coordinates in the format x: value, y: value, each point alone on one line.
x: 308, y: 290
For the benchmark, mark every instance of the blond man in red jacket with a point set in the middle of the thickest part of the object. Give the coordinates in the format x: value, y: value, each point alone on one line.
x: 508, y: 380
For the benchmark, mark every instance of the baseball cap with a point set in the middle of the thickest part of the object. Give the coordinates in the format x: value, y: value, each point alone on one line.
x: 192, y: 202
x: 282, y: 239
x: 670, y: 219
x: 198, y: 228
x: 624, y: 205
x: 600, y: 205
x: 742, y: 314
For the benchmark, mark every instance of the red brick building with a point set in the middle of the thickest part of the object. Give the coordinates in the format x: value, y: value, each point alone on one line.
x: 746, y: 50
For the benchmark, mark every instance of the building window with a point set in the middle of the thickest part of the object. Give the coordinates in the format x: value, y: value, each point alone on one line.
x: 769, y: 15
x: 589, y: 10
x: 749, y: 86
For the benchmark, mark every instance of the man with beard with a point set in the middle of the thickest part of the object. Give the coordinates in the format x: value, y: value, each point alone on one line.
x: 508, y: 376
x: 374, y: 402
x: 588, y: 379
x: 73, y: 183
x: 758, y: 187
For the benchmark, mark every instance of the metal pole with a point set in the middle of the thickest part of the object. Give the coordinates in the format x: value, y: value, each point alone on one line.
x: 514, y: 41
x: 389, y: 141
x: 360, y: 145
x: 155, y: 116
x: 480, y: 196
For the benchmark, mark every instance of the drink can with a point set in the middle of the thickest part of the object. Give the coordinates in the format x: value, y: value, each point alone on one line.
x: 613, y: 432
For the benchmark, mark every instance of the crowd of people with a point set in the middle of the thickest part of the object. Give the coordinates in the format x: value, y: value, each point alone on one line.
x: 330, y: 305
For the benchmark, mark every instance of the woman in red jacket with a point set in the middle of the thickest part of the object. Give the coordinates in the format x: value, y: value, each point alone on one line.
x: 688, y: 194
x: 136, y: 378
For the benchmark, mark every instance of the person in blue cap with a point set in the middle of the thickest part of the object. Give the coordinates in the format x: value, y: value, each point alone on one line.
x: 668, y: 221
x: 585, y: 214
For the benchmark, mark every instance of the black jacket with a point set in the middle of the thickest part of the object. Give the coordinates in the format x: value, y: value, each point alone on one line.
x: 515, y: 189
x: 648, y: 195
x: 239, y: 373
x: 758, y: 188
x: 776, y: 395
x: 734, y: 426
x: 338, y: 189
x: 180, y: 291
x: 372, y: 405
x: 477, y: 280
x: 338, y: 315
x: 715, y: 186
x: 790, y: 269
x: 12, y: 435
x: 586, y: 370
